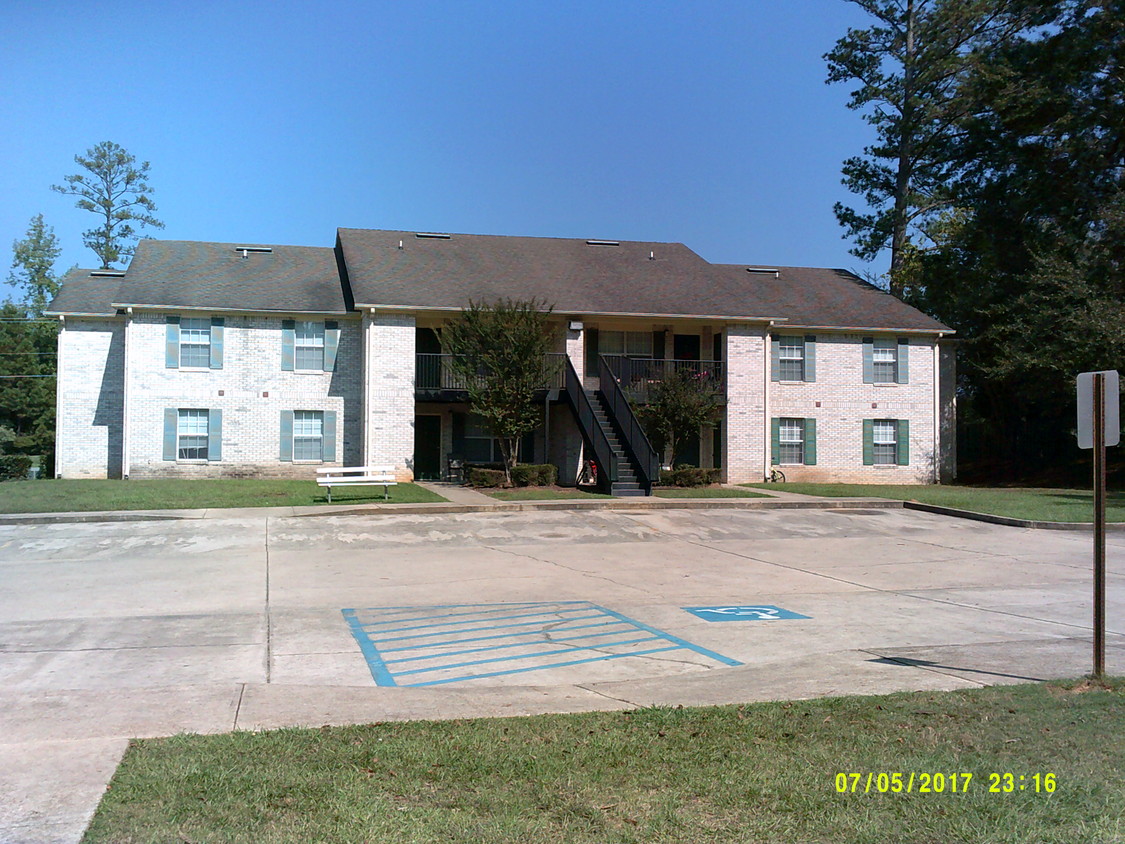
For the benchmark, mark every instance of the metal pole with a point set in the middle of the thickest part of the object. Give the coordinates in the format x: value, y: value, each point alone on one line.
x: 1099, y: 524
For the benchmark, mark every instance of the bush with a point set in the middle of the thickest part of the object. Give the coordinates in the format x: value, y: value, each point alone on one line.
x: 14, y: 467
x: 535, y: 474
x: 689, y: 476
x: 487, y: 478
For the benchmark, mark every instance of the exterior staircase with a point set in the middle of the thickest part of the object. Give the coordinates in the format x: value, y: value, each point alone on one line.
x: 627, y: 483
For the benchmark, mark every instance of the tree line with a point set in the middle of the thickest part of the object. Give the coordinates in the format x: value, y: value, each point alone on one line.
x: 996, y: 182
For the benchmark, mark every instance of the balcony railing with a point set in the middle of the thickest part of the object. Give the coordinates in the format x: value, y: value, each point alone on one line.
x: 434, y: 372
x: 637, y: 376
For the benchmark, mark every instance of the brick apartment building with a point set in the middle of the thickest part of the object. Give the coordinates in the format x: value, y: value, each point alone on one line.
x: 231, y: 360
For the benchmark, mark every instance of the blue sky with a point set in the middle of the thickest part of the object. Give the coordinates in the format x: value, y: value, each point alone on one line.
x: 707, y: 123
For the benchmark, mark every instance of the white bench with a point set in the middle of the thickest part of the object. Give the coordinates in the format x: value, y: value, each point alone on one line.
x: 383, y: 476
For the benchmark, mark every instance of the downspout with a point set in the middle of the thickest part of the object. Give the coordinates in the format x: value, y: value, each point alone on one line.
x: 125, y: 397
x: 366, y: 340
x: 766, y: 401
x: 58, y: 395
x: 938, y: 456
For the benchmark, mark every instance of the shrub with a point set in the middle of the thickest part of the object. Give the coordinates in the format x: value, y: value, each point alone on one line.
x: 689, y: 476
x: 14, y: 467
x: 487, y: 478
x: 535, y: 474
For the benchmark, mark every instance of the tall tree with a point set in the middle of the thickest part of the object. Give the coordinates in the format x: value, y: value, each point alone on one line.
x: 116, y: 189
x: 908, y: 66
x: 33, y: 265
x: 675, y: 409
x: 500, y: 353
x: 27, y: 384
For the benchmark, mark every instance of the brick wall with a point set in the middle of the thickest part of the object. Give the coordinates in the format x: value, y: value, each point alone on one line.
x: 845, y: 401
x: 88, y: 437
x: 254, y: 390
x: 389, y: 340
x: 744, y: 431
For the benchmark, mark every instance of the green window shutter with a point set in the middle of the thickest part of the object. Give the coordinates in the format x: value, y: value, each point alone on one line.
x: 868, y: 360
x: 288, y: 342
x: 214, y: 435
x: 902, y: 370
x: 775, y: 441
x: 171, y: 425
x: 810, y: 358
x: 591, y: 346
x: 775, y: 358
x: 810, y: 442
x: 172, y: 346
x: 328, y: 446
x: 868, y: 442
x: 331, y: 344
x: 217, y: 342
x: 286, y: 451
x: 902, y: 451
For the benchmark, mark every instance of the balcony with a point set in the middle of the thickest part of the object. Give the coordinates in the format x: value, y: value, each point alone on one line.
x: 637, y: 376
x: 435, y: 379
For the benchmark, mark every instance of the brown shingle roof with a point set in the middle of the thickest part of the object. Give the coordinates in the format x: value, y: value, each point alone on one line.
x: 192, y: 274
x: 86, y: 294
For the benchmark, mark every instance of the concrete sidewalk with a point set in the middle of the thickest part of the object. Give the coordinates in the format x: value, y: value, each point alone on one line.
x: 117, y: 630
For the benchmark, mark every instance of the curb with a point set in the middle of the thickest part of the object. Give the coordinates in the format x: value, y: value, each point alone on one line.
x: 1008, y: 521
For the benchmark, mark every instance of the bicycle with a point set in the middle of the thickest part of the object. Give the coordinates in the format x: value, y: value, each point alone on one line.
x: 776, y: 476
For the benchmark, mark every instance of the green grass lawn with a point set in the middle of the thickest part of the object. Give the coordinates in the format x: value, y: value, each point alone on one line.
x: 1046, y: 505
x: 705, y: 492
x: 757, y: 772
x: 53, y: 496
x: 531, y: 493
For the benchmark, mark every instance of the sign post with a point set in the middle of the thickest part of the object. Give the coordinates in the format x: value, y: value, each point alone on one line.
x: 1099, y: 425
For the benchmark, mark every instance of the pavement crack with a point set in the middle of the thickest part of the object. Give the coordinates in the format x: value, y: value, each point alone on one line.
x: 269, y: 614
x: 238, y: 706
x: 608, y: 696
x: 571, y: 569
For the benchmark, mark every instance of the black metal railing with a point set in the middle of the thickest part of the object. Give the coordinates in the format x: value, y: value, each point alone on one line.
x: 637, y: 445
x: 638, y: 375
x: 435, y: 372
x: 588, y: 423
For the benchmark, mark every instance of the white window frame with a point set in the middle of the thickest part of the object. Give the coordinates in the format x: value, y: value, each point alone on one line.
x: 884, y: 442
x: 790, y: 349
x: 308, y: 428
x: 629, y: 344
x: 884, y: 361
x: 195, y: 341
x: 790, y: 433
x: 313, y: 332
x: 193, y: 424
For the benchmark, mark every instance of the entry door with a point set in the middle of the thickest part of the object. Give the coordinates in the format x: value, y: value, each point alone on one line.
x: 685, y: 346
x: 427, y: 448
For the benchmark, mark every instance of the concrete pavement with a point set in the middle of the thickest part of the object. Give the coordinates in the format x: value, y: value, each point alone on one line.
x: 113, y: 630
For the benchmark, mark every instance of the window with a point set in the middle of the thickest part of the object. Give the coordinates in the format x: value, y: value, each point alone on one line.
x: 195, y: 343
x: 480, y: 445
x: 191, y: 435
x: 885, y: 442
x: 309, y: 345
x: 308, y: 435
x: 791, y: 358
x: 885, y: 361
x: 791, y: 439
x: 634, y: 344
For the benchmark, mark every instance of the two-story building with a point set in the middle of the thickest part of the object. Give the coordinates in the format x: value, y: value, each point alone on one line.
x: 232, y: 360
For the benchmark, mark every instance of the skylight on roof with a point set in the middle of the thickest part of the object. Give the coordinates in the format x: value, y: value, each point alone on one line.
x: 253, y: 249
x: 107, y: 273
x: 764, y: 271
x: 432, y: 235
x: 603, y: 243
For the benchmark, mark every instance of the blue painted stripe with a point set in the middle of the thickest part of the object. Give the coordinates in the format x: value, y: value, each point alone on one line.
x: 506, y: 635
x: 514, y: 657
x: 477, y: 612
x: 415, y: 607
x: 475, y: 629
x: 537, y: 667
x: 473, y: 620
x: 683, y: 643
x: 506, y: 645
x: 379, y: 671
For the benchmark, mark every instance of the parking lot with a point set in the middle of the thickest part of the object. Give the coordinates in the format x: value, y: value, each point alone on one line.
x: 109, y: 630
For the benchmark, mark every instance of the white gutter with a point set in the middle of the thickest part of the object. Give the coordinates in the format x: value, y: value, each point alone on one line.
x: 767, y: 379
x: 58, y: 397
x: 937, y: 411
x: 125, y: 392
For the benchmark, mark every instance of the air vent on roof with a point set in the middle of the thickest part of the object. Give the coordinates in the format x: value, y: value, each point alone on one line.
x: 764, y: 271
x: 246, y: 250
x: 432, y: 235
x: 107, y: 273
x: 603, y: 243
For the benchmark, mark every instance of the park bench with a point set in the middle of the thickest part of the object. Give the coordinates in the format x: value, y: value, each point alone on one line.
x: 383, y: 476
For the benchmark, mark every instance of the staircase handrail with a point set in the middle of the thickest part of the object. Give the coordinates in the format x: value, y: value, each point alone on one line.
x: 633, y: 436
x: 580, y: 403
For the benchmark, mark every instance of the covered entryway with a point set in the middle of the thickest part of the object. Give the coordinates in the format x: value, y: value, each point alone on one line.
x: 427, y: 448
